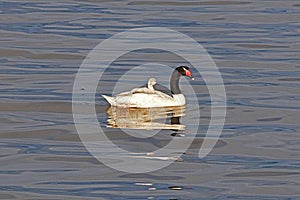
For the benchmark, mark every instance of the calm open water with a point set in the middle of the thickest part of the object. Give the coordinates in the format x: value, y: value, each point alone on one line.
x: 255, y: 44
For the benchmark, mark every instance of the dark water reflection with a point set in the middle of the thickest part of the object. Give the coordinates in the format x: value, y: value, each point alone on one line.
x: 256, y: 47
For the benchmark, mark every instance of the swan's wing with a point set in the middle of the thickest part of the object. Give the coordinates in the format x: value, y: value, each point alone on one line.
x: 163, y: 95
x: 161, y: 88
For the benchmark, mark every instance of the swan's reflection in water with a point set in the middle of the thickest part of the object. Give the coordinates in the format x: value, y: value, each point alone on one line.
x: 142, y: 123
x: 146, y: 118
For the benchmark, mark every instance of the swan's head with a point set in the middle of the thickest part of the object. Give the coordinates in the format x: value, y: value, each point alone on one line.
x: 185, y: 71
x: 152, y: 81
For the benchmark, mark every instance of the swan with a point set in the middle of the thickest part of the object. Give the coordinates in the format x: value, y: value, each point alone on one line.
x: 154, y: 95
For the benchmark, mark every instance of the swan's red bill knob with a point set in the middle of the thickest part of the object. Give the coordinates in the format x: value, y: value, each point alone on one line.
x: 188, y: 73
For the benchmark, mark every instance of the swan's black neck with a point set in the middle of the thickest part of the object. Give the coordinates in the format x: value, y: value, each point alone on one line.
x: 174, y: 82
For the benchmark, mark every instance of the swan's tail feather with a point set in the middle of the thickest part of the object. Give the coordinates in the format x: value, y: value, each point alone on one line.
x: 110, y: 100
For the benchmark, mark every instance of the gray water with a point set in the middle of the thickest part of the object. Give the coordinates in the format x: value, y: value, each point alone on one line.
x: 256, y: 46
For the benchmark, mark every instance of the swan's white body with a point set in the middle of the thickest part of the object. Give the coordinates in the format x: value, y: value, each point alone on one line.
x: 148, y: 97
x: 145, y: 100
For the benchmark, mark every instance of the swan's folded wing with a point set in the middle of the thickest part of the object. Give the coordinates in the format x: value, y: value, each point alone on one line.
x: 163, y: 89
x: 164, y: 96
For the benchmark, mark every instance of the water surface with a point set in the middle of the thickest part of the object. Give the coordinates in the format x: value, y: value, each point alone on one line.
x: 254, y: 43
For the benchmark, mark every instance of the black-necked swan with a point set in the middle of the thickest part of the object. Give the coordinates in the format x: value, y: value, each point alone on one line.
x: 153, y: 95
